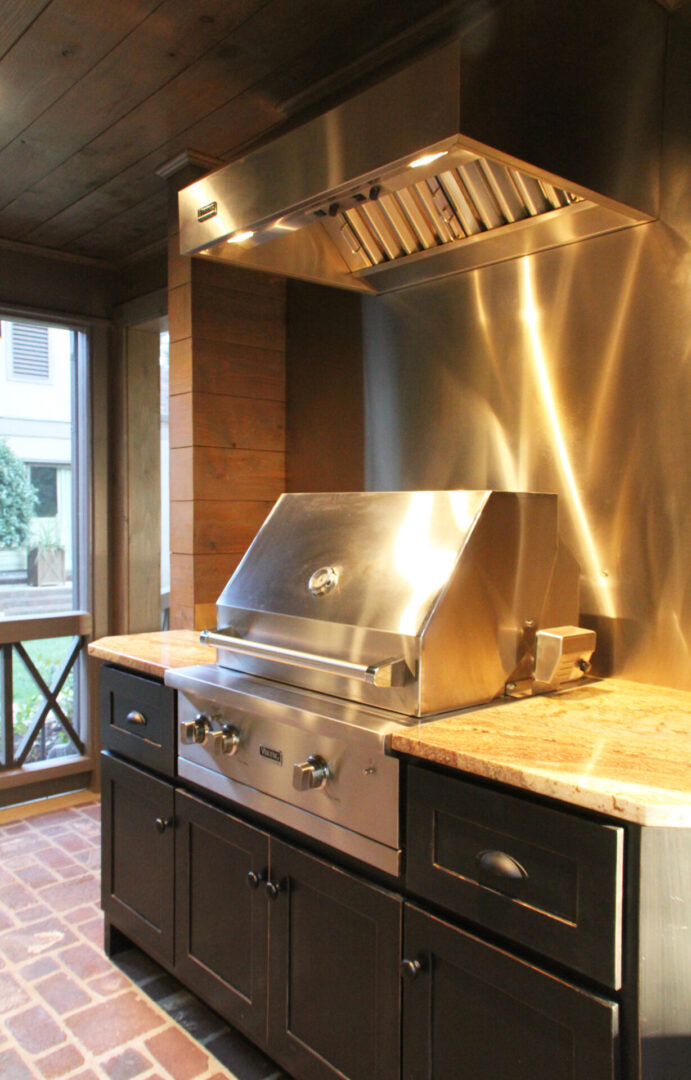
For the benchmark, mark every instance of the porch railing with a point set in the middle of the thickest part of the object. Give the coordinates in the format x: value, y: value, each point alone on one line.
x: 14, y: 634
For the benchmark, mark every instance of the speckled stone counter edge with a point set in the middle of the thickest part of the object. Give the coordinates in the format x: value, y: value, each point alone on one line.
x: 617, y: 747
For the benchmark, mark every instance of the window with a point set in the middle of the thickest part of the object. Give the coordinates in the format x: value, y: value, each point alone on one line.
x: 44, y: 479
x: 44, y: 569
x: 30, y: 359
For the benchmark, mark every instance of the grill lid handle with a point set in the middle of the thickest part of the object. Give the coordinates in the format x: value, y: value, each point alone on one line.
x: 390, y: 672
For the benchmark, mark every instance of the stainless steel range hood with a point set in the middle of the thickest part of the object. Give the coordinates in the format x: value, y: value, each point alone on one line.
x: 393, y: 187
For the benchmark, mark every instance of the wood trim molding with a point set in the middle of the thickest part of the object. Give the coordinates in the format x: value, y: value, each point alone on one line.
x: 37, y: 627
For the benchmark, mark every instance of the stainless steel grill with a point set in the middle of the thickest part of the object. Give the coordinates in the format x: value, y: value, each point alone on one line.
x: 352, y: 614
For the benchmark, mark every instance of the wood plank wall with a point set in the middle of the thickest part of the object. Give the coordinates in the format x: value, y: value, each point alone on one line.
x: 325, y: 436
x: 135, y: 509
x: 227, y: 422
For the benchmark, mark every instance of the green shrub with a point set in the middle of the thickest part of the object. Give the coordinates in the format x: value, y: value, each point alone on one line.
x: 17, y: 499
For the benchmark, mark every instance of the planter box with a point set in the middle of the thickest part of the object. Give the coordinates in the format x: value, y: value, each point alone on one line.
x: 45, y: 566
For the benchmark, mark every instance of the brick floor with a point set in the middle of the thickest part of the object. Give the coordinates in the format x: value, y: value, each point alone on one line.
x: 66, y: 1011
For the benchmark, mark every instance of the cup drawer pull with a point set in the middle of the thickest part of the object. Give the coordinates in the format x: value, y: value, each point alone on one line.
x: 135, y: 717
x: 501, y: 866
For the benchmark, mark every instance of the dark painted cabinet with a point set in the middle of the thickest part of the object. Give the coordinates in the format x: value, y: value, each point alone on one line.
x: 301, y: 955
x: 472, y: 1010
x: 546, y: 879
x: 138, y: 850
x: 222, y: 911
x: 138, y: 719
x: 537, y: 877
x: 334, y: 958
x: 556, y: 944
x: 527, y: 941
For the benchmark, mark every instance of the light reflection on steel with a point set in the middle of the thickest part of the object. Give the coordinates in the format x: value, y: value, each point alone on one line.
x: 562, y: 457
x: 453, y: 399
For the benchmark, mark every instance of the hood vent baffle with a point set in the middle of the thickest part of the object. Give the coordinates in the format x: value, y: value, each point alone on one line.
x: 475, y: 197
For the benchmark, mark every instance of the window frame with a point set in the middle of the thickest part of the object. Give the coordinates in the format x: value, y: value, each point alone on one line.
x: 91, y: 604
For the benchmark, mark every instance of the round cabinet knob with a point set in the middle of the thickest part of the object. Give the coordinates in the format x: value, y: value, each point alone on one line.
x: 311, y: 774
x: 410, y: 969
x: 254, y: 880
x: 163, y: 823
x: 272, y: 889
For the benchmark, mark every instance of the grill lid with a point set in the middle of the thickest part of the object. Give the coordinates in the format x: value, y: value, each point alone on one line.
x: 414, y: 601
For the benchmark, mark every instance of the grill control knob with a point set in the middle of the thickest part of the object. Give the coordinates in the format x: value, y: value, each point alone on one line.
x: 225, y: 741
x: 310, y: 774
x: 194, y: 731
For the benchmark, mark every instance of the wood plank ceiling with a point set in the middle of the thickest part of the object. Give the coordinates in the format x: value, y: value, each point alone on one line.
x: 94, y: 97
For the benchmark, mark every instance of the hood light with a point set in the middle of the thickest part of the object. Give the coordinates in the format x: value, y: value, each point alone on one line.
x: 426, y: 159
x: 238, y: 237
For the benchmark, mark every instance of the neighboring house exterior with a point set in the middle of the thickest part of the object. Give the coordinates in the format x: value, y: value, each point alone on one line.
x: 36, y: 423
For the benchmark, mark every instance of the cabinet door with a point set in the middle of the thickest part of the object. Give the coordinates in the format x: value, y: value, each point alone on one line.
x: 471, y: 1010
x: 334, y: 984
x: 221, y: 920
x: 137, y: 855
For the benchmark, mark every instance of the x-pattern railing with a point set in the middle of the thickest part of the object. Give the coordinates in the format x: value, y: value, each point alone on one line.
x: 13, y: 635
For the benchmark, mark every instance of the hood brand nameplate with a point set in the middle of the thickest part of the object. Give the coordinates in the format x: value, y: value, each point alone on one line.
x: 208, y: 211
x: 273, y: 755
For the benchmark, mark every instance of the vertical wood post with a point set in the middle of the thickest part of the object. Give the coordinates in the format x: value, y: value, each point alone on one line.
x: 136, y: 510
x: 227, y: 414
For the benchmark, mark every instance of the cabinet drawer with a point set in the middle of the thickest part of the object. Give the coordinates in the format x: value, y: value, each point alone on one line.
x: 544, y: 878
x: 138, y: 719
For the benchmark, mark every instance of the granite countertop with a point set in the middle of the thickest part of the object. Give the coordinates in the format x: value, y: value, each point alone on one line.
x: 619, y: 747
x: 614, y: 746
x: 154, y: 652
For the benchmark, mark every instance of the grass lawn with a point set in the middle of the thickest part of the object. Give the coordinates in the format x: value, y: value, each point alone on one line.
x: 47, y: 654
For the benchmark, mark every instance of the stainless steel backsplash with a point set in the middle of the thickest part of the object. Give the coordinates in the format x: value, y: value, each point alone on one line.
x: 567, y: 371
